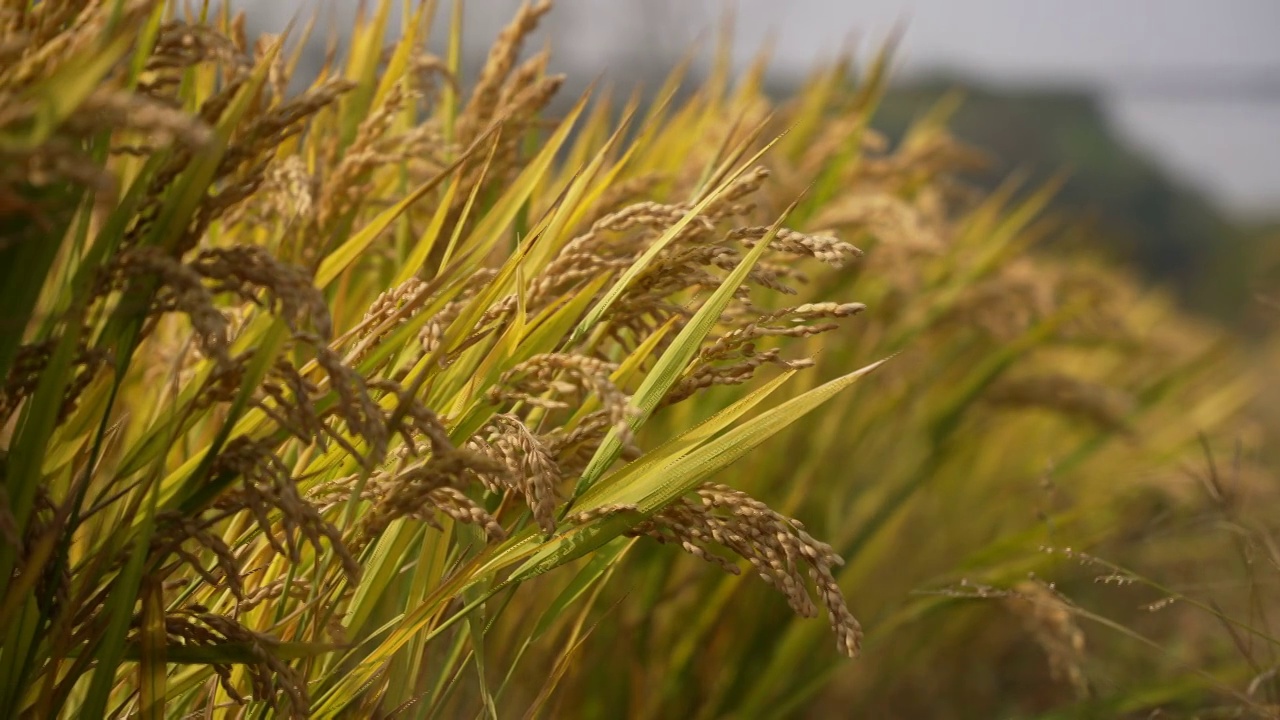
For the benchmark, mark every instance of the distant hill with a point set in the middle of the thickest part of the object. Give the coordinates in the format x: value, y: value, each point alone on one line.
x: 1120, y: 200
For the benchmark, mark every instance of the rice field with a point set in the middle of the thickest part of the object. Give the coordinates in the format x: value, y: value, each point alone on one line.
x: 401, y: 396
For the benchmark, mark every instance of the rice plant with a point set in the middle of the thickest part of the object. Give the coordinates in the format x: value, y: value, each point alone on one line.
x: 300, y: 386
x: 378, y: 398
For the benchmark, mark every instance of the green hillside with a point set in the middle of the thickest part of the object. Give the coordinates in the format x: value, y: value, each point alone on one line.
x: 1115, y: 197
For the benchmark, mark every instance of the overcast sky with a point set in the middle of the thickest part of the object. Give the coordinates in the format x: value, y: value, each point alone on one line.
x: 1196, y: 83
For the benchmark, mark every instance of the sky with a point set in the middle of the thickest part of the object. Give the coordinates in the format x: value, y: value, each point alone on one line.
x: 1194, y: 83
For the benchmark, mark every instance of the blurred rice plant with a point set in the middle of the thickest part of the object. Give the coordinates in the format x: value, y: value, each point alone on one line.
x: 307, y: 394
